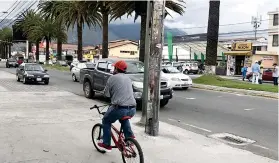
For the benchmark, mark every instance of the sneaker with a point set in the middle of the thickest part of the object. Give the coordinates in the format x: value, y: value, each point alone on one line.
x: 104, y: 147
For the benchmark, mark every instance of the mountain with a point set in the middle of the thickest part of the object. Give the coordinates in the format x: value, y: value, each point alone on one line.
x: 93, y: 36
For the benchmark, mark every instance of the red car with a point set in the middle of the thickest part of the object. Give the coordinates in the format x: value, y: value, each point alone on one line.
x: 267, y: 75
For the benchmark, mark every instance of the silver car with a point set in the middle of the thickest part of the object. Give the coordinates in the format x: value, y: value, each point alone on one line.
x: 76, y: 69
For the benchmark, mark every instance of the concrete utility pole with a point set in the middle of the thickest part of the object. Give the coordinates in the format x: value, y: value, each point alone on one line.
x: 155, y: 61
x: 146, y: 64
x: 256, y: 22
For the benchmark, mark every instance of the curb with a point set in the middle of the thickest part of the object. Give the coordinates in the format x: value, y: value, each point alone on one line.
x: 241, y: 91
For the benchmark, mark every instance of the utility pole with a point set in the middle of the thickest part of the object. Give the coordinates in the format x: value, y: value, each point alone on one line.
x: 155, y: 61
x: 256, y: 22
x: 27, y: 49
x: 146, y: 64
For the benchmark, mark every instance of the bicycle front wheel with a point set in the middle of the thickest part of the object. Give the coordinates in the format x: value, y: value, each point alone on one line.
x: 132, y: 152
x: 97, y: 134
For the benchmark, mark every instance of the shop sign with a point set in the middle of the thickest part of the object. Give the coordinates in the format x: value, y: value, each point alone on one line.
x: 242, y: 46
x: 267, y: 58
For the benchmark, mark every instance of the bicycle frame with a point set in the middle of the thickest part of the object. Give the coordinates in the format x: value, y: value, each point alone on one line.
x: 120, y: 139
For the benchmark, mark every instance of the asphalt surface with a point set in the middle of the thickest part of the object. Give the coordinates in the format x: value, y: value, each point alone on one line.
x: 209, y: 112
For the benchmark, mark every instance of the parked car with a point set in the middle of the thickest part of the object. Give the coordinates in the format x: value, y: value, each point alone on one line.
x: 176, y: 78
x: 11, y: 62
x: 76, y: 69
x: 267, y: 75
x: 94, y: 80
x: 32, y: 72
x: 189, y: 67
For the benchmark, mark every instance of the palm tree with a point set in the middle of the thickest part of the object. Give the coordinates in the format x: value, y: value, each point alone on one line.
x: 6, y: 36
x: 24, y: 22
x: 49, y: 11
x: 128, y: 7
x: 78, y: 13
x: 212, y: 36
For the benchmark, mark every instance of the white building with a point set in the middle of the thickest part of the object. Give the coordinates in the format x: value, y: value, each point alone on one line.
x: 273, y: 29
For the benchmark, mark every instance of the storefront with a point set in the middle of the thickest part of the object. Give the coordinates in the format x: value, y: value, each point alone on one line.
x: 267, y: 58
x: 239, y: 56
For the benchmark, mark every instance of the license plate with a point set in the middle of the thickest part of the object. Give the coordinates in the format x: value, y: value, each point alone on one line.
x: 39, y: 79
x: 162, y: 96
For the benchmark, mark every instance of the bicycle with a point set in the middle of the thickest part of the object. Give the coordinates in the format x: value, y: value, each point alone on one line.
x: 124, y: 145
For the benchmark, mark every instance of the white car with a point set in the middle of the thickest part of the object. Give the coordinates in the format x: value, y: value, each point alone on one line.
x: 76, y: 69
x: 176, y: 78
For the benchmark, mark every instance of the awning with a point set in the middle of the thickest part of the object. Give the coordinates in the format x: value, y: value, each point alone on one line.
x: 246, y: 53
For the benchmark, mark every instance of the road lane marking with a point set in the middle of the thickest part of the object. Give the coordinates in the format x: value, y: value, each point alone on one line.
x: 260, y: 146
x: 193, y: 126
x: 249, y: 109
x: 187, y: 98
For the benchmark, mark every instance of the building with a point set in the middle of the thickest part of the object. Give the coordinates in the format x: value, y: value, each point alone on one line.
x: 273, y: 29
x: 127, y: 49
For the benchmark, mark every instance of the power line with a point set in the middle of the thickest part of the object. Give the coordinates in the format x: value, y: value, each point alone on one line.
x: 21, y: 12
x: 219, y: 25
x: 10, y: 7
x: 10, y: 12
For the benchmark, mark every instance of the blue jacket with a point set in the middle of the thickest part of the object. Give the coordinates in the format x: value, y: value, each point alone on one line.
x: 256, y: 68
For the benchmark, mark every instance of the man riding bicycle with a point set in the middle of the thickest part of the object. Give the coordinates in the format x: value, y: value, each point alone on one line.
x: 120, y: 90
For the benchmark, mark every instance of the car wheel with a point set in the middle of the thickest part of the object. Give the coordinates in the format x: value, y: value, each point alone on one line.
x: 186, y: 72
x: 74, y: 78
x: 46, y: 82
x: 164, y: 102
x: 184, y: 88
x: 24, y: 80
x: 179, y: 69
x: 88, y: 92
x: 17, y: 78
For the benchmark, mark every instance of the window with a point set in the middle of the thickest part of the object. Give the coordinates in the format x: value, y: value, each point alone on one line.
x: 102, y: 66
x: 275, y: 19
x: 275, y: 41
x: 132, y: 53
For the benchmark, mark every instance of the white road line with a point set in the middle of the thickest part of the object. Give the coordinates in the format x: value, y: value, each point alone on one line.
x: 193, y: 126
x: 187, y: 98
x: 249, y: 109
x: 260, y: 146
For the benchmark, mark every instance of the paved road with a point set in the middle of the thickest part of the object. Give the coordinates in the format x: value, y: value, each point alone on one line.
x: 208, y: 112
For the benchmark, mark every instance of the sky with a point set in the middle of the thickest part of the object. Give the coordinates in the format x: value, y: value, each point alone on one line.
x: 196, y: 15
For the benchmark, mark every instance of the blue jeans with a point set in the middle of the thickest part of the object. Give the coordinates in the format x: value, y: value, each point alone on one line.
x: 112, y: 115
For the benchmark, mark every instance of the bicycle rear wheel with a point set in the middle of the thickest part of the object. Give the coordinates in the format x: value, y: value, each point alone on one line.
x: 132, y: 151
x: 97, y: 133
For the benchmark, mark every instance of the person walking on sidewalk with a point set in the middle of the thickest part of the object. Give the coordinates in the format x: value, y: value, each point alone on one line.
x: 275, y: 74
x: 256, y: 72
x: 261, y: 75
x: 120, y: 90
x: 244, y: 72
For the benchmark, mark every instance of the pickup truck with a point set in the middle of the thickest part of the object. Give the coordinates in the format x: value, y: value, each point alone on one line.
x: 94, y: 79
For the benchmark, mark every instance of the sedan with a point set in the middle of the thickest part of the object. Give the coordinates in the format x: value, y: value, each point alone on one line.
x: 75, y: 71
x: 32, y: 72
x: 267, y: 75
x: 11, y: 63
x: 176, y: 78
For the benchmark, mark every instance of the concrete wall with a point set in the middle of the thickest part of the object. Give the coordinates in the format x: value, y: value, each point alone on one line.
x: 124, y: 51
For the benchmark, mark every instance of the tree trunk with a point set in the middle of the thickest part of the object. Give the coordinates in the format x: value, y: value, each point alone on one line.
x: 59, y: 49
x: 79, y: 33
x: 47, y: 50
x: 10, y: 48
x: 4, y: 49
x: 105, y: 52
x: 212, y: 37
x: 142, y: 37
x: 37, y: 53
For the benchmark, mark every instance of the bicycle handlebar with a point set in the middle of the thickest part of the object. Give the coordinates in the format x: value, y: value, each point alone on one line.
x: 97, y: 107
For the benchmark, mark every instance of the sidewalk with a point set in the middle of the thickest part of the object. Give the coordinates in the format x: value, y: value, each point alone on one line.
x: 55, y: 126
x: 234, y: 90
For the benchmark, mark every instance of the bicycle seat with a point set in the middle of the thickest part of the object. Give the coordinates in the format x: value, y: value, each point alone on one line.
x: 125, y: 118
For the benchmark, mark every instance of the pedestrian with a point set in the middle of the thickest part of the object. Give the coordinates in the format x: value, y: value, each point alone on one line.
x: 261, y: 75
x: 275, y: 74
x: 244, y: 72
x: 256, y: 72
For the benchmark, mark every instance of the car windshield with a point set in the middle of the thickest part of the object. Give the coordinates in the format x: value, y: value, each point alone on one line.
x: 176, y: 64
x: 33, y: 68
x: 90, y: 65
x: 135, y: 67
x: 12, y: 60
x: 170, y: 70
